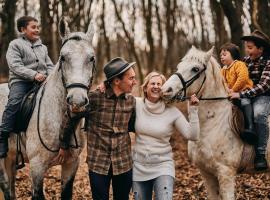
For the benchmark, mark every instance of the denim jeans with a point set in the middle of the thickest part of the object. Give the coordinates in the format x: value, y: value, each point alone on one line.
x: 100, y: 185
x: 261, y: 108
x: 162, y: 187
x: 16, y: 93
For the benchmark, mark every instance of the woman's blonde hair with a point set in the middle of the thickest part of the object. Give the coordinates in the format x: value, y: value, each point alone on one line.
x: 148, y: 78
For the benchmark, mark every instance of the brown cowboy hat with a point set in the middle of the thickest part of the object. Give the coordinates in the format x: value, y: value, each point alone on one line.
x: 259, y: 37
x: 116, y: 67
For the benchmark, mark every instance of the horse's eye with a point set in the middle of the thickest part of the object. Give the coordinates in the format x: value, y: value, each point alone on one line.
x: 195, y: 69
x: 62, y: 59
x: 92, y: 59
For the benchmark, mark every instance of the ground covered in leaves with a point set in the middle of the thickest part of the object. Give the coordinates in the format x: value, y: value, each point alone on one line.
x: 188, y: 184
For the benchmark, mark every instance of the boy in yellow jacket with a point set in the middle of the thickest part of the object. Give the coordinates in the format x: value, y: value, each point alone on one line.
x: 236, y: 76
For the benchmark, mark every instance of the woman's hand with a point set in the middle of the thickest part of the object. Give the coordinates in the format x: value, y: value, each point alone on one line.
x: 101, y: 87
x: 194, y: 101
x: 40, y: 77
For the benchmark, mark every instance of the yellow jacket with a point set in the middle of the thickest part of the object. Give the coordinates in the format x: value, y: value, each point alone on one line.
x: 236, y: 76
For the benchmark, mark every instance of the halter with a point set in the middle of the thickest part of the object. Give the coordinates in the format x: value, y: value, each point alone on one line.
x: 67, y: 86
x: 76, y: 85
x: 182, y: 97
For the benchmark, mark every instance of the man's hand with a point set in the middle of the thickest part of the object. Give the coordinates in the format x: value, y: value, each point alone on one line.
x: 62, y: 157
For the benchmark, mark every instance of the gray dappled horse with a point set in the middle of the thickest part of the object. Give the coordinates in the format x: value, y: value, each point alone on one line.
x: 66, y: 88
x: 218, y: 151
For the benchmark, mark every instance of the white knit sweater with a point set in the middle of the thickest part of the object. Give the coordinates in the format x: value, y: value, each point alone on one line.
x: 155, y: 123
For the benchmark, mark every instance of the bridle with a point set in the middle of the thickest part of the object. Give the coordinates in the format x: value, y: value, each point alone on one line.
x: 67, y: 86
x: 75, y: 85
x: 181, y: 95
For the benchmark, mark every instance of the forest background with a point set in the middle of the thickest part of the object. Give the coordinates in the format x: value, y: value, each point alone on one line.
x: 154, y: 33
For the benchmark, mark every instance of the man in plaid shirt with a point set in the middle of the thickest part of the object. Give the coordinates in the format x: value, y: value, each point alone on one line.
x: 108, y: 142
x: 257, y: 46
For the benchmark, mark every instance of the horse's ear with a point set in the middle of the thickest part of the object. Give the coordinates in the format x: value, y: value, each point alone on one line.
x: 90, y: 31
x: 209, y: 54
x: 63, y: 28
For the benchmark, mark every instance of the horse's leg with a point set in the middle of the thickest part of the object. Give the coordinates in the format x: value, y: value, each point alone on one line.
x: 37, y: 177
x: 10, y: 167
x: 4, y: 181
x: 226, y: 180
x: 211, y: 184
x: 68, y: 174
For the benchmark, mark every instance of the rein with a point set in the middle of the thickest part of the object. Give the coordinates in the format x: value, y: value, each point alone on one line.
x: 67, y: 86
x: 182, y: 97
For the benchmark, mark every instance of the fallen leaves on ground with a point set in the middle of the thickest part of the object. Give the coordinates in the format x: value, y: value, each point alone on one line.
x: 188, y: 183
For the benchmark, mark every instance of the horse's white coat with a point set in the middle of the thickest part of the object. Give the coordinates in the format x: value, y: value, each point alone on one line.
x: 218, y: 151
x: 77, y: 68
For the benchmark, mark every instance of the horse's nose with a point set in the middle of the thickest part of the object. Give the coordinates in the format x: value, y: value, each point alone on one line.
x: 69, y: 99
x: 86, y: 101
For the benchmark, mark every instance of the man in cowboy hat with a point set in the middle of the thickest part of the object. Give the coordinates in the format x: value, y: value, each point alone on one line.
x: 257, y: 47
x: 108, y: 146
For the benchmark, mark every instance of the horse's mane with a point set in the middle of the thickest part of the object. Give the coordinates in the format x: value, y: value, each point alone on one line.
x: 213, y: 67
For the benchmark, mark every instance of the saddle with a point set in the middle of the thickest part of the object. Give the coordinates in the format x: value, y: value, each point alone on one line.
x: 26, y: 109
x: 248, y: 153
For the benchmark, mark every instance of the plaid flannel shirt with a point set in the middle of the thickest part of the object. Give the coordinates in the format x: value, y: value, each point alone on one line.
x: 108, y: 140
x: 259, y: 73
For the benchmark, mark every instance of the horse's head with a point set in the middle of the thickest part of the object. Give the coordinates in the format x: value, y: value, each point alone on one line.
x: 77, y: 64
x: 190, y: 75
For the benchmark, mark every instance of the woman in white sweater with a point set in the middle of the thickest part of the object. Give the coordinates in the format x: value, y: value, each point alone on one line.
x: 153, y: 164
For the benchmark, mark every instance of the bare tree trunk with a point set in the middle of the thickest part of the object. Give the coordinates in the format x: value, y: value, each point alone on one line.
x: 25, y: 5
x: 259, y: 11
x: 170, y: 24
x: 103, y: 26
x: 8, y: 32
x: 218, y: 19
x: 159, y: 51
x: 130, y: 41
x: 147, y: 15
x: 231, y: 10
x: 47, y: 29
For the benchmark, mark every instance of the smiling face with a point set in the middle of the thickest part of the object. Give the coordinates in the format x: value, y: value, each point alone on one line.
x: 31, y: 31
x: 252, y: 50
x: 153, y: 89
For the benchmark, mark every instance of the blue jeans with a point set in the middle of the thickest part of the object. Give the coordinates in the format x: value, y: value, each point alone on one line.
x: 16, y: 93
x: 162, y: 186
x: 100, y: 185
x: 261, y: 108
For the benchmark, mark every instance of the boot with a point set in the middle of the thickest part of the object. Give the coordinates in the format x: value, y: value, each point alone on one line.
x: 260, y: 162
x: 3, y: 144
x: 248, y: 135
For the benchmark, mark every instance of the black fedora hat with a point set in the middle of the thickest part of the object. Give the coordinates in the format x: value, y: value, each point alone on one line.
x: 259, y: 37
x: 116, y: 67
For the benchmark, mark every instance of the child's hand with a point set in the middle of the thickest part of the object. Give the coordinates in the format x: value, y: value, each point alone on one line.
x: 234, y: 95
x: 40, y: 77
x: 194, y: 101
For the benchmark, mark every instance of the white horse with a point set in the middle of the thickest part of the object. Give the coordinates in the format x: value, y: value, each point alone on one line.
x: 218, y: 152
x: 66, y: 88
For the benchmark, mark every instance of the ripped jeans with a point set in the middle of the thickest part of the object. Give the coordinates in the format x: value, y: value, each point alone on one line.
x: 162, y: 186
